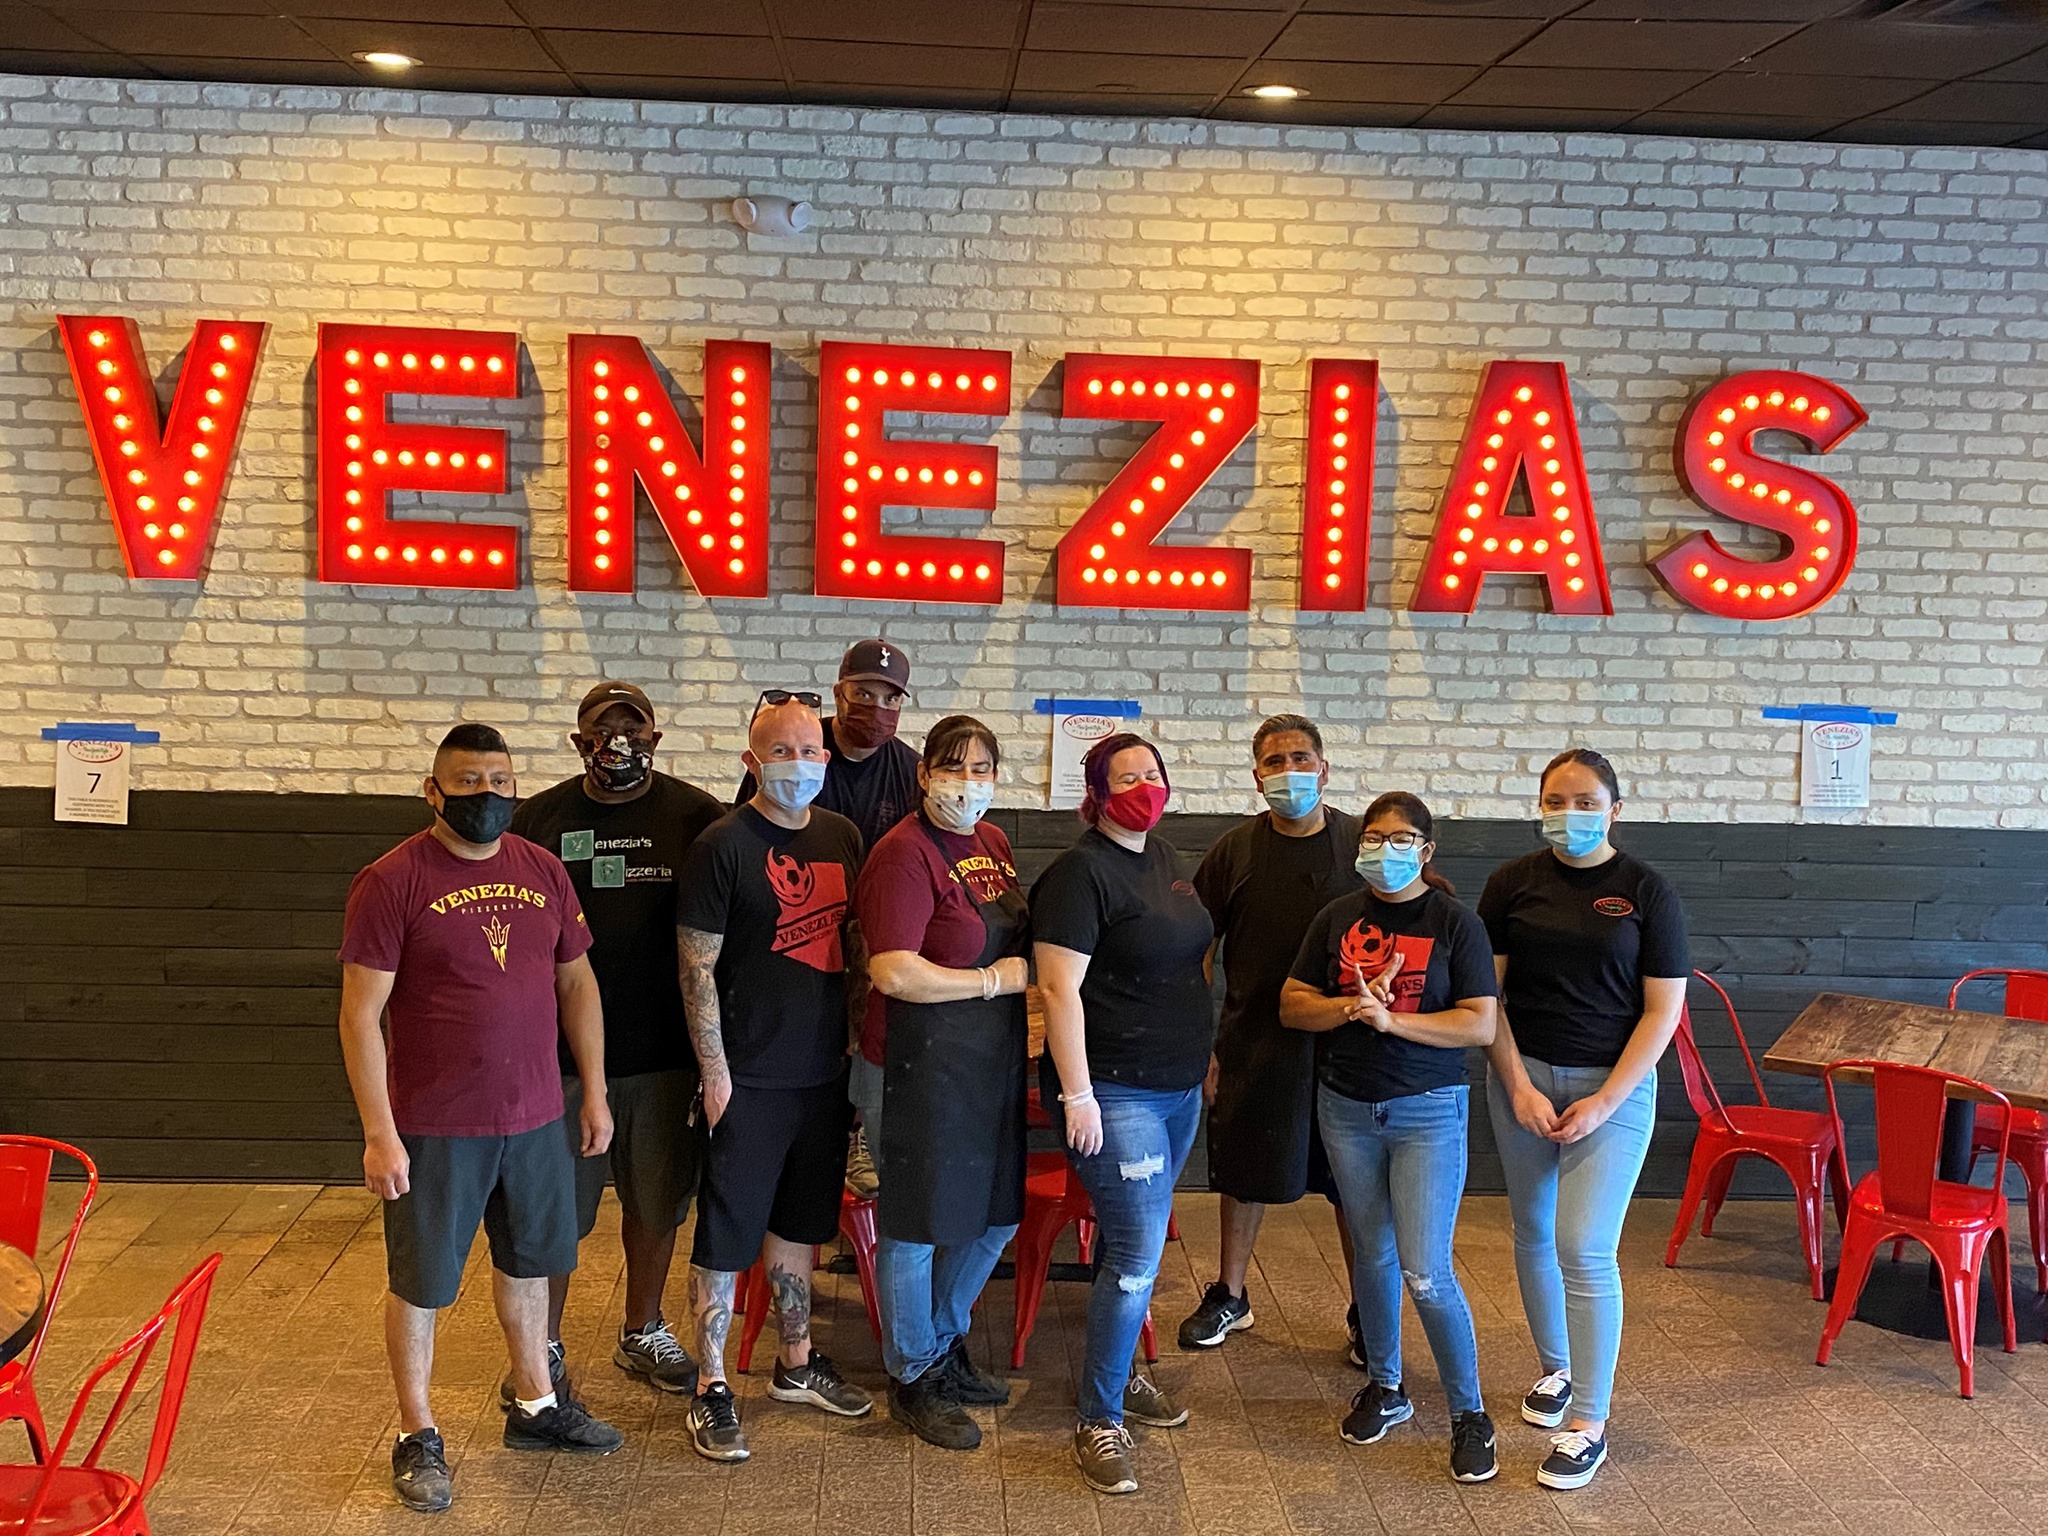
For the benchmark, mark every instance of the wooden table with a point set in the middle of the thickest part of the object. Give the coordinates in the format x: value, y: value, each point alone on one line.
x: 21, y: 1301
x: 2009, y: 1054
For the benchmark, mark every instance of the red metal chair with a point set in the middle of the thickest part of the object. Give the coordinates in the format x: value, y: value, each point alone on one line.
x: 87, y: 1499
x: 2026, y: 997
x: 857, y: 1226
x: 1959, y: 1224
x: 1053, y: 1200
x: 25, y: 1163
x: 1803, y: 1142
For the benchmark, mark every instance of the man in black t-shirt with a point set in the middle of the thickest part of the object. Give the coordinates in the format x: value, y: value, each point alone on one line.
x: 621, y: 829
x: 774, y: 983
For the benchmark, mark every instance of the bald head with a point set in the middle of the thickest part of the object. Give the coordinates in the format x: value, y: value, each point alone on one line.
x: 786, y: 732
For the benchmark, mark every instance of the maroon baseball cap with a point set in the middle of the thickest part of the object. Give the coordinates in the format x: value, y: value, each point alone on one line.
x: 876, y: 661
x: 604, y: 695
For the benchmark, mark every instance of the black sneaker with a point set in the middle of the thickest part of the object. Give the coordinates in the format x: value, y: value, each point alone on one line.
x: 1572, y: 1461
x: 1219, y: 1316
x: 1548, y: 1401
x: 1354, y: 1340
x: 715, y: 1425
x: 968, y: 1385
x: 818, y: 1383
x: 558, y: 1380
x: 1374, y: 1411
x: 419, y: 1472
x: 565, y: 1426
x: 1472, y: 1458
x: 928, y: 1409
x: 654, y: 1354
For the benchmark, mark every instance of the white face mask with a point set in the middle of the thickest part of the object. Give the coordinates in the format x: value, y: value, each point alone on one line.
x: 792, y: 783
x: 958, y: 804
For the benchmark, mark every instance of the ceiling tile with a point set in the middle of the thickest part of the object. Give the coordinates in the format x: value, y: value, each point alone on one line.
x: 683, y: 87
x: 66, y: 9
x: 253, y: 71
x: 1707, y: 10
x: 1886, y: 130
x: 1527, y: 119
x: 26, y: 29
x: 218, y: 39
x: 496, y: 82
x: 1752, y: 92
x: 1914, y: 50
x: 2032, y: 66
x: 742, y: 18
x: 1349, y: 114
x: 664, y: 53
x: 1702, y: 45
x: 1634, y: 90
x: 1978, y: 101
x: 1729, y: 125
x: 1465, y: 8
x: 467, y: 13
x: 868, y: 64
x: 1152, y: 29
x: 1108, y: 104
x: 938, y: 98
x: 78, y: 61
x: 1043, y: 70
x: 1401, y: 39
x: 1395, y: 84
x: 923, y: 23
x: 443, y: 47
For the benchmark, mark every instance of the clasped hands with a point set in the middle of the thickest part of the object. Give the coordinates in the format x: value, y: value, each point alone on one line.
x: 1371, y: 1003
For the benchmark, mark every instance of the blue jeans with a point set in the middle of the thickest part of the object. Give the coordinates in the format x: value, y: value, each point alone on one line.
x: 928, y: 1295
x: 1146, y: 1136
x: 1568, y: 1204
x: 1400, y: 1171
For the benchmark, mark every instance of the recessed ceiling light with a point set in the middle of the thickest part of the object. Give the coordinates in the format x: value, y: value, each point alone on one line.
x: 382, y: 58
x: 1276, y: 92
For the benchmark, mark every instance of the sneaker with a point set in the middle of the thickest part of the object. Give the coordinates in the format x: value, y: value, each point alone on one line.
x: 1572, y: 1461
x: 969, y: 1385
x: 1548, y: 1400
x: 1374, y: 1411
x: 419, y: 1472
x: 927, y: 1408
x: 1146, y: 1403
x: 654, y: 1353
x: 1354, y: 1340
x: 1102, y: 1451
x: 1219, y: 1316
x: 1472, y: 1458
x: 558, y: 1380
x: 563, y: 1426
x: 715, y: 1425
x: 861, y: 1178
x: 818, y: 1383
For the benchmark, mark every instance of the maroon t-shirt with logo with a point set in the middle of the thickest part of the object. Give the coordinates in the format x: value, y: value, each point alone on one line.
x: 913, y: 897
x: 780, y: 897
x: 473, y: 943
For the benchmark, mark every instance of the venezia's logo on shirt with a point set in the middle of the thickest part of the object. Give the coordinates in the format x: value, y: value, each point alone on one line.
x: 1614, y: 906
x: 984, y: 876
x: 813, y: 901
x: 499, y: 936
x: 502, y: 891
x: 1367, y: 949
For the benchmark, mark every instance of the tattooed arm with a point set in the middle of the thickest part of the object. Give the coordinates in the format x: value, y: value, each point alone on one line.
x: 855, y: 947
x: 697, y: 965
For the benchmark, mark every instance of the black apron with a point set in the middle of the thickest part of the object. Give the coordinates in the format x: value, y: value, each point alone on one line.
x: 952, y: 1153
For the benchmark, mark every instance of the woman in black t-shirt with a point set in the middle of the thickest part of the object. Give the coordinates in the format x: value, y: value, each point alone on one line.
x: 1122, y: 945
x: 1590, y: 946
x: 1397, y: 982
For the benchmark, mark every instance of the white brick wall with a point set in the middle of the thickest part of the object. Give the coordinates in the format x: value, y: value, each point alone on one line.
x: 1650, y: 266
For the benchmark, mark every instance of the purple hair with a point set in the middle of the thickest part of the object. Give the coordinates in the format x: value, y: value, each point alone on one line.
x: 1095, y: 768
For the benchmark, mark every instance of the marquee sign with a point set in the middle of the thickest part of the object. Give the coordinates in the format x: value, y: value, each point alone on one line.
x: 165, y: 478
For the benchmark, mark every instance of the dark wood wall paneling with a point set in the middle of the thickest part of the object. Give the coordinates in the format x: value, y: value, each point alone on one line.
x: 168, y: 989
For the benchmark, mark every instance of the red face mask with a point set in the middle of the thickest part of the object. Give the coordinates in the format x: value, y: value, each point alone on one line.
x: 1137, y: 808
x: 864, y: 726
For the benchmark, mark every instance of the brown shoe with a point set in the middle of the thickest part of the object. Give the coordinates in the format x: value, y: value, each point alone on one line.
x: 1146, y: 1402
x: 1102, y: 1451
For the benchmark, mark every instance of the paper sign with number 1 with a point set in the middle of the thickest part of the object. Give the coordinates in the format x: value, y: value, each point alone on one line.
x: 1835, y: 767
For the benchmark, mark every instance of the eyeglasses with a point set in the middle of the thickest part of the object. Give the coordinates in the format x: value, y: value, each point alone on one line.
x: 774, y: 698
x: 1401, y: 842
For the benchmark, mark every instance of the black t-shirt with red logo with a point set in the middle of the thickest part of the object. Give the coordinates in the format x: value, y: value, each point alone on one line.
x: 1444, y: 959
x: 781, y: 899
x: 1578, y: 944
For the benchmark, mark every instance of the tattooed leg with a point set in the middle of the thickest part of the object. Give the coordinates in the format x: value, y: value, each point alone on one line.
x: 711, y: 1293
x: 789, y: 1282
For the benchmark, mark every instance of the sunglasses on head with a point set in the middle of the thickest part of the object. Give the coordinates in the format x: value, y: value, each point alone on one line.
x: 772, y: 698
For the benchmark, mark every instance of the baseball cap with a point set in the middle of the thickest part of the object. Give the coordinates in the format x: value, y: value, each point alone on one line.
x: 604, y: 695
x: 876, y: 661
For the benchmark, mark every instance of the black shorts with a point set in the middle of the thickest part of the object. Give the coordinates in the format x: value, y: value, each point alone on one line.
x: 776, y: 1163
x: 521, y: 1188
x: 654, y: 1152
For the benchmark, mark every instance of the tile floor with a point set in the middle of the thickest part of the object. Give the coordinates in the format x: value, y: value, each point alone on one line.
x: 1722, y: 1422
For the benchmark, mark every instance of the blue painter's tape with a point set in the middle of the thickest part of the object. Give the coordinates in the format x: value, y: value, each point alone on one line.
x: 1128, y: 709
x: 1858, y: 713
x: 77, y: 730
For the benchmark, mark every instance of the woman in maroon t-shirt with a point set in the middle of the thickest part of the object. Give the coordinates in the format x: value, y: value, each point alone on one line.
x: 947, y: 929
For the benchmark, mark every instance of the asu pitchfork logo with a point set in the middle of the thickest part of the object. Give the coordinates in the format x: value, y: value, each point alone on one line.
x: 498, y: 935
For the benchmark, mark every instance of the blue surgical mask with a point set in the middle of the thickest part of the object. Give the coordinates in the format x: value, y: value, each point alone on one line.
x: 792, y: 783
x: 1575, y: 833
x: 1292, y: 795
x: 958, y: 804
x: 1389, y: 869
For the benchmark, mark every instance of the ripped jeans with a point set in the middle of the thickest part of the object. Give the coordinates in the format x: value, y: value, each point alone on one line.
x: 1146, y: 1136
x: 1400, y: 1171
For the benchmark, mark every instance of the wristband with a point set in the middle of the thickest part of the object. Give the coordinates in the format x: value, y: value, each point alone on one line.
x: 1085, y: 1096
x: 989, y: 981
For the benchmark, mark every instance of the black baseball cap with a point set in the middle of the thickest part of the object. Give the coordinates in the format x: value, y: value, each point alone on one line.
x: 604, y: 695
x: 876, y: 661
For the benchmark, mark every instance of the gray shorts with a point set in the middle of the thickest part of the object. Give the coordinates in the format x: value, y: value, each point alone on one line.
x: 521, y: 1188
x: 654, y: 1153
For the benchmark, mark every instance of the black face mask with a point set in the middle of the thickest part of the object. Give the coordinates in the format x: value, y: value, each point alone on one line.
x: 480, y: 818
x: 619, y: 765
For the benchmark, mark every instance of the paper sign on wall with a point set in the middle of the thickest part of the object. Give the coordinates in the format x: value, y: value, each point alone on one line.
x: 1834, y: 753
x: 92, y: 770
x: 1077, y: 724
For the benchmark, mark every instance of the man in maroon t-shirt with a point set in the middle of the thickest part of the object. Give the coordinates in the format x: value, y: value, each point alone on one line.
x: 463, y: 951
